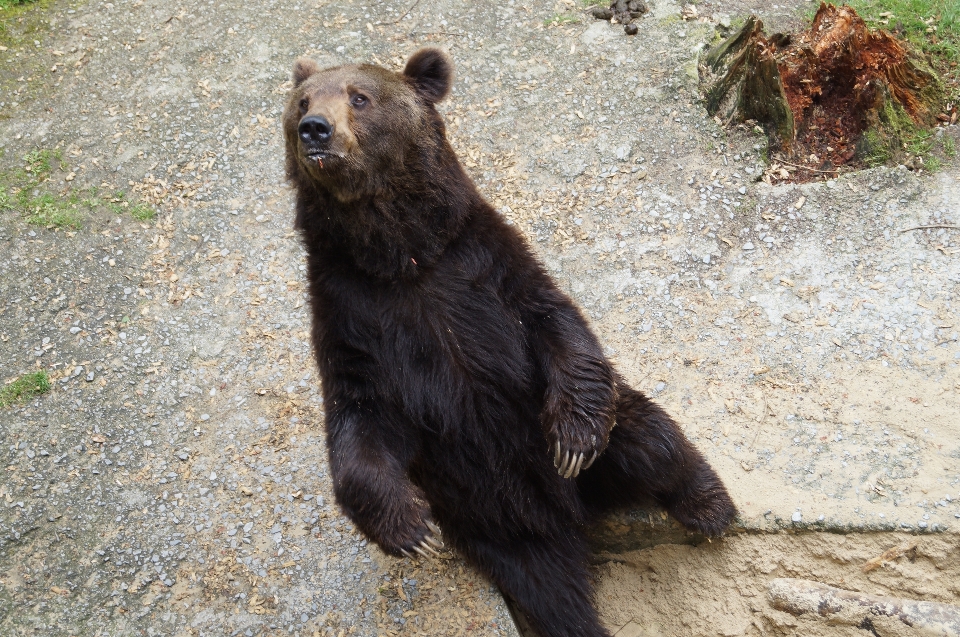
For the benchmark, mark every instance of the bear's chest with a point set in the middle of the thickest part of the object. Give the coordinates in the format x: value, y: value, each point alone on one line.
x: 440, y: 338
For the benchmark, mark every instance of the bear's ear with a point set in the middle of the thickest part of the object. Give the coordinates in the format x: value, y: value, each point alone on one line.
x: 302, y: 69
x: 431, y: 72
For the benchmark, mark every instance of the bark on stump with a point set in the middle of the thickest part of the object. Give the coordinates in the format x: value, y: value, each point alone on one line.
x: 833, y: 94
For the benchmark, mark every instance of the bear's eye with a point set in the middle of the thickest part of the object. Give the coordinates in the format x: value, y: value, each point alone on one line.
x: 304, y: 104
x: 359, y: 101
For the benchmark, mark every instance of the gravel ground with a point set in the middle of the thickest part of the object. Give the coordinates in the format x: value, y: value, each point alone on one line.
x: 174, y: 481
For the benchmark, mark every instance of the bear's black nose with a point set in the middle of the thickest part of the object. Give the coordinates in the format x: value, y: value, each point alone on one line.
x: 315, y: 129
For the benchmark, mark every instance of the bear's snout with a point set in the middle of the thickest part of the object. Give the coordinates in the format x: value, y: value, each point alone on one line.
x: 315, y: 130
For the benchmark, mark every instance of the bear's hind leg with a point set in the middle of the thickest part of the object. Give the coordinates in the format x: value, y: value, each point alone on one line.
x: 548, y: 580
x: 648, y: 457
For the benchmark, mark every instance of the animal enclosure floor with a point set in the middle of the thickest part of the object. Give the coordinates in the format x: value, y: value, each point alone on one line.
x: 174, y: 481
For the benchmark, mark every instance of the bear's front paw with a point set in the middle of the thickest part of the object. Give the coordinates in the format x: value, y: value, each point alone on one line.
x: 425, y: 542
x: 577, y: 418
x: 573, y: 456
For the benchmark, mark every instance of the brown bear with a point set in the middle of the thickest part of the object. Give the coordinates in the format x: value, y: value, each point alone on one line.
x: 461, y: 387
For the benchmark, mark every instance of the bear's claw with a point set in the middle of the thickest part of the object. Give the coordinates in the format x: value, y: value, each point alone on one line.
x: 590, y: 461
x: 429, y: 545
x: 571, y: 463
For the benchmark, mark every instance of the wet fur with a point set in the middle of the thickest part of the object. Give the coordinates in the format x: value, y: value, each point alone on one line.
x: 452, y: 365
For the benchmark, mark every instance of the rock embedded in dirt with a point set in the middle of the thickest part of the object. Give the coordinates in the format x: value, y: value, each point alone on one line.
x: 838, y: 606
x: 833, y: 95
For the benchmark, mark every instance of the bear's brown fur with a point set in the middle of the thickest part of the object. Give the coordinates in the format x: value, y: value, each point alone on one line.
x: 461, y: 386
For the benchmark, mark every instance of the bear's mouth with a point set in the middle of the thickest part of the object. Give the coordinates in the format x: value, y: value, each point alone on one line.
x: 321, y: 156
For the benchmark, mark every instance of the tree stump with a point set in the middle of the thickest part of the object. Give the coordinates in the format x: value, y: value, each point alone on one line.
x: 835, y: 94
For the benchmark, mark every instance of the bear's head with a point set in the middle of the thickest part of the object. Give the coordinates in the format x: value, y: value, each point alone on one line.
x: 357, y: 131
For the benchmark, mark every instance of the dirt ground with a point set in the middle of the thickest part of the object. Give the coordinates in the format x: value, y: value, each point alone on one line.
x: 174, y: 481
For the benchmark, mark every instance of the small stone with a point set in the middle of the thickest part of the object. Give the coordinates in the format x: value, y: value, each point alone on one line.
x: 748, y: 245
x: 90, y: 377
x: 630, y: 29
x: 183, y: 455
x: 796, y: 517
x: 74, y: 330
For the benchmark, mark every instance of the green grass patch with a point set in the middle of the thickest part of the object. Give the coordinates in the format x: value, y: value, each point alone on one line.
x: 10, y: 4
x: 21, y: 21
x: 40, y: 162
x: 919, y: 143
x: 561, y: 19
x: 142, y: 212
x: 931, y: 26
x: 24, y: 388
x: 27, y: 191
x: 48, y: 210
